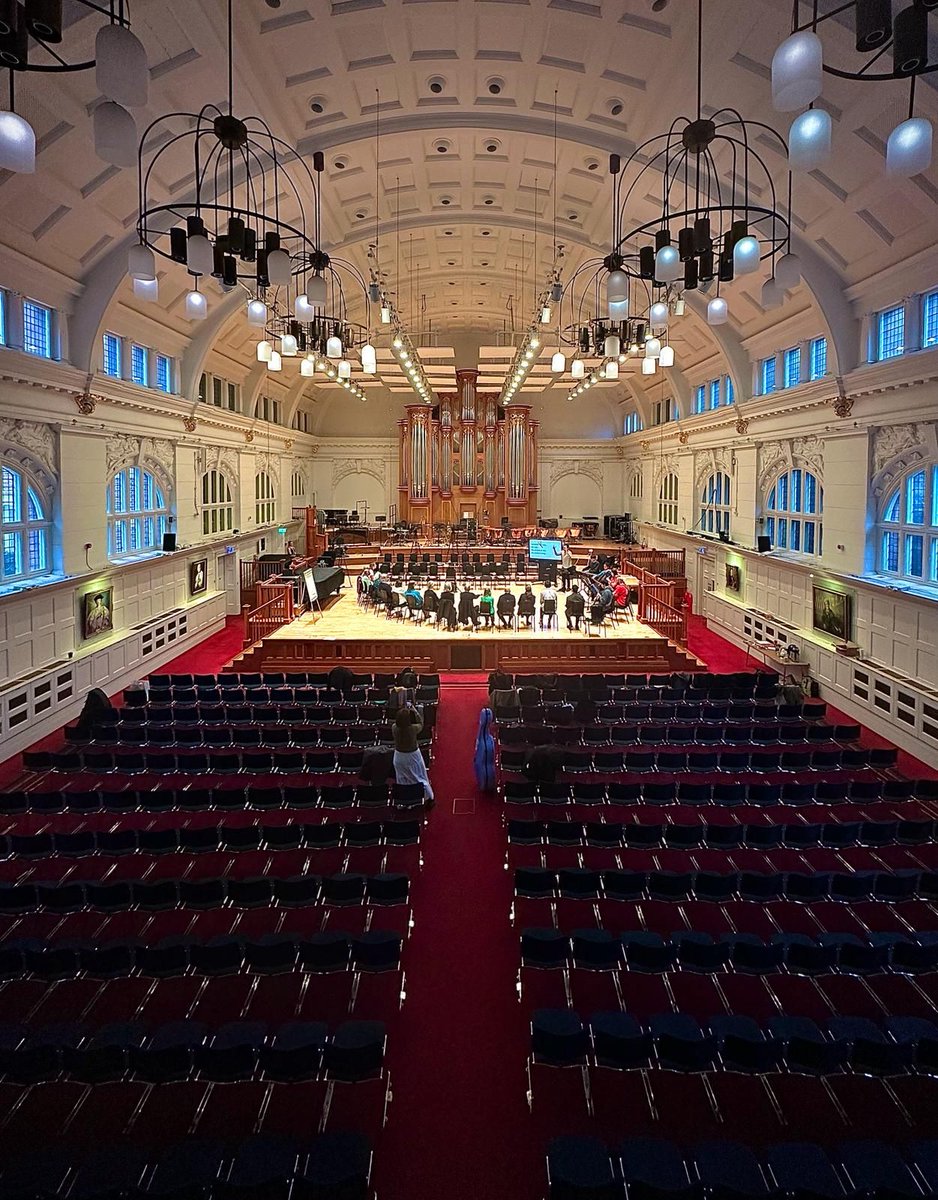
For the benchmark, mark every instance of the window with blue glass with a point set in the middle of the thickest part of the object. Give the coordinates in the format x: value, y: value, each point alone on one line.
x: 112, y: 355
x: 890, y: 332
x: 24, y: 527
x: 164, y: 373
x: 714, y: 387
x: 37, y: 329
x: 730, y: 393
x: 792, y: 367
x: 138, y: 364
x: 767, y: 375
x: 818, y: 352
x: 137, y: 513
x: 908, y: 531
x: 632, y: 423
x: 792, y: 512
x: 715, y: 504
x: 3, y: 318
x: 700, y: 398
x: 930, y: 319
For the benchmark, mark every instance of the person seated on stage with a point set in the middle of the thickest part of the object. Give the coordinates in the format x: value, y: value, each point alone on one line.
x: 593, y: 565
x: 527, y: 605
x: 506, y: 608
x: 412, y: 595
x: 431, y: 603
x: 446, y: 614
x: 548, y: 604
x: 383, y: 594
x: 365, y: 583
x: 620, y: 591
x: 467, y: 608
x: 574, y: 607
x: 606, y: 598
x: 487, y: 608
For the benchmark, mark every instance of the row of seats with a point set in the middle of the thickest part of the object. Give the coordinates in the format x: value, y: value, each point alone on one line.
x: 609, y: 711
x: 613, y: 835
x: 701, y: 761
x: 180, y: 1050
x: 581, y: 1168
x: 640, y: 950
x: 331, y: 1166
x: 207, y: 838
x: 677, y: 1042
x: 298, y: 694
x: 724, y: 794
x: 182, y: 760
x: 703, y: 681
x: 270, y: 954
x: 579, y: 883
x: 675, y: 734
x: 202, y: 799
x: 217, y: 713
x: 215, y: 892
x: 277, y: 678
x: 270, y: 736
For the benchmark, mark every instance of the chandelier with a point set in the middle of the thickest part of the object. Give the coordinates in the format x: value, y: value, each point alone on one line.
x: 31, y: 36
x: 529, y: 347
x: 887, y: 48
x: 718, y: 209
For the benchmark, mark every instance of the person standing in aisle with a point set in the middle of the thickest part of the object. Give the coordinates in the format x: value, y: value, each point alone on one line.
x: 409, y: 764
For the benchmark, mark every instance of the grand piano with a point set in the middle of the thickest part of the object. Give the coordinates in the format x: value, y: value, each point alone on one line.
x: 327, y: 580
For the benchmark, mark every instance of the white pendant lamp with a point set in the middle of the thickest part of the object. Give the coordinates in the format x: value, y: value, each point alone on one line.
x: 369, y: 359
x: 121, y: 70
x: 334, y: 346
x: 308, y: 366
x: 115, y: 135
x: 196, y: 306
x: 288, y: 346
x: 772, y: 293
x: 717, y: 312
x: 658, y: 315
x: 385, y: 315
x: 200, y: 258
x: 652, y: 347
x: 558, y: 362
x: 303, y: 310
x: 275, y: 362
x: 577, y: 368
x: 617, y: 295
x: 788, y: 270
x: 908, y: 150
x: 147, y: 289
x: 345, y: 369
x: 666, y: 357
x: 797, y: 71
x: 612, y: 346
x: 809, y: 140
x: 649, y: 366
x: 746, y: 254
x: 257, y: 313
x: 677, y: 308
x: 612, y: 369
x: 668, y: 264
x: 545, y: 315
x: 264, y: 351
x: 17, y: 144
x: 316, y: 291
x: 141, y: 263
x: 278, y: 268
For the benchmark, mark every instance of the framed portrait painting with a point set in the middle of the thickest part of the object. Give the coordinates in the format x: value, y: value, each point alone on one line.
x: 198, y: 576
x: 733, y: 578
x: 97, y: 612
x: 832, y: 612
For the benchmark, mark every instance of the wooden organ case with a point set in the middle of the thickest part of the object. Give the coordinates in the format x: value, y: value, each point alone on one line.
x: 467, y: 457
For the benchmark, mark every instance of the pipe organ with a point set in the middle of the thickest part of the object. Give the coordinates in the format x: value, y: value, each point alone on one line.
x: 467, y: 457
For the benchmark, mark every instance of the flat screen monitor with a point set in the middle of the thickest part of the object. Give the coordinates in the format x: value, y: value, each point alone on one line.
x: 544, y: 549
x: 309, y: 581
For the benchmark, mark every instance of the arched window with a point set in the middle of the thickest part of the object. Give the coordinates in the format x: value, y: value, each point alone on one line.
x: 636, y: 486
x: 715, y: 504
x: 793, y: 511
x: 265, y: 504
x: 217, y: 505
x: 137, y: 513
x: 297, y: 485
x: 908, y: 539
x: 667, y: 500
x: 25, y: 527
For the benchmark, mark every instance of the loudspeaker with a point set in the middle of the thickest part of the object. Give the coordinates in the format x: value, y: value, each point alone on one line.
x: 763, y: 543
x: 724, y: 535
x: 169, y: 542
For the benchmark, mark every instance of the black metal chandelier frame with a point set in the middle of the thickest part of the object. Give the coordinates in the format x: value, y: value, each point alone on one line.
x: 17, y: 39
x: 882, y: 39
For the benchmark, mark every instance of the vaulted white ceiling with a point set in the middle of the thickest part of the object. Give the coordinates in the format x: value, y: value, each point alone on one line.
x: 462, y: 180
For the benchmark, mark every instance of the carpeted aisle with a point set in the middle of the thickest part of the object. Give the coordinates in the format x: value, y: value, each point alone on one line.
x: 458, y: 1124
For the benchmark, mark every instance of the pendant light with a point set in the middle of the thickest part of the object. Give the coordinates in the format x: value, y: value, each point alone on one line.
x: 788, y: 270
x: 577, y: 368
x: 196, y: 306
x: 668, y: 267
x: 652, y: 347
x: 809, y: 140
x: 772, y: 293
x: 146, y: 289
x: 558, y: 362
x: 200, y: 258
x: 909, y: 148
x: 141, y: 262
x: 308, y: 365
x: 385, y: 314
x: 334, y: 346
x: 264, y: 351
x: 746, y: 254
x: 617, y: 295
x: 316, y: 291
x: 545, y: 315
x: 677, y: 308
x: 288, y: 346
x: 649, y: 366
x: 121, y: 70
x: 611, y: 346
x: 115, y: 135
x: 666, y: 357
x: 612, y: 369
x: 275, y: 362
x: 717, y: 312
x: 797, y: 71
x: 369, y: 359
x: 17, y: 144
x: 303, y: 310
x: 278, y: 268
x: 345, y: 369
x: 658, y: 315
x: 257, y: 313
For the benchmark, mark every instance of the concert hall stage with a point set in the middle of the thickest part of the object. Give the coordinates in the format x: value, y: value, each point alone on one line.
x: 349, y: 635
